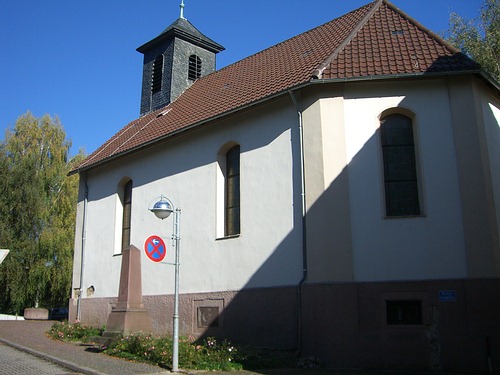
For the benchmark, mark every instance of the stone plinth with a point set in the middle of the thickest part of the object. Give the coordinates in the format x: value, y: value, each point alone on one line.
x: 129, y: 314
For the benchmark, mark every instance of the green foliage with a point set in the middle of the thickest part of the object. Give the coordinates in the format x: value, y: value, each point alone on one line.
x: 37, y: 214
x: 209, y: 355
x: 73, y: 332
x: 480, y: 37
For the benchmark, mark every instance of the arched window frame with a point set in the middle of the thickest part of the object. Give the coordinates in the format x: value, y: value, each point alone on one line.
x: 228, y: 191
x: 123, y: 216
x: 194, y: 68
x: 400, y: 164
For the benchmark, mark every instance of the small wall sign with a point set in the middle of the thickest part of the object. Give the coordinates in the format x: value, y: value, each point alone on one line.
x: 447, y: 296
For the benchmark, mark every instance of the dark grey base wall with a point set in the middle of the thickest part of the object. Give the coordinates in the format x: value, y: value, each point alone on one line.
x: 345, y: 325
x: 264, y: 317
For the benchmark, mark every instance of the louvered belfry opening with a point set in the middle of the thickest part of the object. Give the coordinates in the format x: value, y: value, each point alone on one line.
x: 194, y: 68
x: 157, y: 75
x: 173, y: 61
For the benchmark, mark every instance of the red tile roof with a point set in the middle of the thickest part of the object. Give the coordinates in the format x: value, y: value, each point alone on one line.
x: 376, y: 40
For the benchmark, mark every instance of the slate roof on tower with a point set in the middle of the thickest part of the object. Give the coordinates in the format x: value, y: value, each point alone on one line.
x: 182, y: 28
x: 375, y: 41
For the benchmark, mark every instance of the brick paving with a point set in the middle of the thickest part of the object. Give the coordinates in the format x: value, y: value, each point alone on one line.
x: 29, y: 336
x: 15, y: 362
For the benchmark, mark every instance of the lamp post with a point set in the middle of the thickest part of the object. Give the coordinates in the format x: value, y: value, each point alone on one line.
x: 162, y: 209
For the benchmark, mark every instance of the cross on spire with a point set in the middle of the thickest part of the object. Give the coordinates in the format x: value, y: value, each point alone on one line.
x: 182, y: 9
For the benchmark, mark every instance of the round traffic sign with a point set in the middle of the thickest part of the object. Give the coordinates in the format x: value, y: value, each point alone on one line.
x: 155, y: 248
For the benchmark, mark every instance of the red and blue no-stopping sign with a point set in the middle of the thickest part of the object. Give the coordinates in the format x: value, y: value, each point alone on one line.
x: 155, y: 248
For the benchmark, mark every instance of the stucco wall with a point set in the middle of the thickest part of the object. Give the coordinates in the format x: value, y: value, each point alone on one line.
x: 266, y: 253
x: 430, y: 246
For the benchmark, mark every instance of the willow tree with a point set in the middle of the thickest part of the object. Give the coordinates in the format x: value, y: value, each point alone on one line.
x: 37, y: 214
x: 479, y: 37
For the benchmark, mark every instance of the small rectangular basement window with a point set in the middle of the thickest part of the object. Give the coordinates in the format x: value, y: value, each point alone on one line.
x: 404, y: 312
x: 208, y: 316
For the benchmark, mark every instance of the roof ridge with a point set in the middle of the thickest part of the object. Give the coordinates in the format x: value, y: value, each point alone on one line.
x: 273, y: 46
x: 318, y: 72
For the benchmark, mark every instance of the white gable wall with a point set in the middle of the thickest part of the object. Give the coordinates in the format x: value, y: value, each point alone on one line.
x: 268, y: 251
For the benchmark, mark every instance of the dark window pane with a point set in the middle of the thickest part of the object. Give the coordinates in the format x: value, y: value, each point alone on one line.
x: 401, y: 198
x: 400, y: 171
x: 208, y: 317
x: 399, y: 163
x: 406, y: 312
x: 232, y: 219
x: 127, y: 214
x: 397, y: 131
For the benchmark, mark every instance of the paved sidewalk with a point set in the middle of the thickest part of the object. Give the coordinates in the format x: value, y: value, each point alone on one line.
x: 15, y: 362
x: 30, y: 337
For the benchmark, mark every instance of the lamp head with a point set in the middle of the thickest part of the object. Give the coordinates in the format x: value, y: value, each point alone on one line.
x: 162, y: 208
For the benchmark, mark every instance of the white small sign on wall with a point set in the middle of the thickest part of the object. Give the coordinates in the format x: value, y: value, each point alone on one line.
x: 3, y: 254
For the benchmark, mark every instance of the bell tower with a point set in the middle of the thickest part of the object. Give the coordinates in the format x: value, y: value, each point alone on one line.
x: 173, y: 61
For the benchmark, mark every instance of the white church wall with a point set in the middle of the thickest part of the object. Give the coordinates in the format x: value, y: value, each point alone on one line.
x: 266, y: 253
x: 426, y: 247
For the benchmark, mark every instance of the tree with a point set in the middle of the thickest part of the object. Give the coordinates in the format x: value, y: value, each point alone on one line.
x: 480, y: 37
x: 37, y: 214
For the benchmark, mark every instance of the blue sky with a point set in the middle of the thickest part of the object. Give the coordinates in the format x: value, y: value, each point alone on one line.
x: 77, y: 59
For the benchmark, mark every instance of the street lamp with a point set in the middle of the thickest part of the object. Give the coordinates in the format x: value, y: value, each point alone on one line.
x: 162, y: 209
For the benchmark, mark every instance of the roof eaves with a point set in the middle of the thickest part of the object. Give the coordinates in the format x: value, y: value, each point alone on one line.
x: 490, y: 80
x: 480, y: 73
x: 398, y: 76
x: 318, y: 72
x: 183, y: 29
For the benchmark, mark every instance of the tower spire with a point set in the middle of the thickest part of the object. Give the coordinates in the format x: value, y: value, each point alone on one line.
x: 182, y: 9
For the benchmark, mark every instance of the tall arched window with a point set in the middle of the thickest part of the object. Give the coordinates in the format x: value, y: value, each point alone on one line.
x: 400, y: 168
x: 194, y: 68
x: 228, y: 191
x: 157, y: 76
x: 232, y: 206
x: 127, y: 215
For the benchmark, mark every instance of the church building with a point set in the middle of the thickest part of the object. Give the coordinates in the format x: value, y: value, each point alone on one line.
x: 338, y: 195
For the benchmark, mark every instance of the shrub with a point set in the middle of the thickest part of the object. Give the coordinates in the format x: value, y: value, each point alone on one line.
x: 209, y: 355
x: 73, y: 332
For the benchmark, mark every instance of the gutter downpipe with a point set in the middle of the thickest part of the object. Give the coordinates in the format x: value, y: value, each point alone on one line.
x: 82, y: 259
x: 304, y: 226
